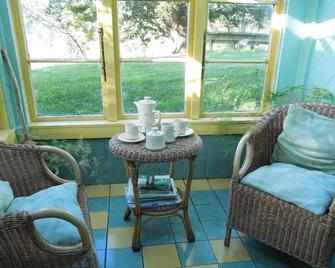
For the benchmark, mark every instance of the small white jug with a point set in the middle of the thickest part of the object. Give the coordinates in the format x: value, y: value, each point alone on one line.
x: 146, y: 114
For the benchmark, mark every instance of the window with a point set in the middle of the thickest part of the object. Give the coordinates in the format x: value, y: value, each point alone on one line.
x: 237, y: 41
x: 91, y: 59
x: 153, y: 47
x: 64, y: 56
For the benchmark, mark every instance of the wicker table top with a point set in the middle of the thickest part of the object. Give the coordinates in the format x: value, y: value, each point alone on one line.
x: 181, y: 148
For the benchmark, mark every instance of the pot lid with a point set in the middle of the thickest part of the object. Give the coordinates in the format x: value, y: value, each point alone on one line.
x: 155, y: 133
x: 147, y: 101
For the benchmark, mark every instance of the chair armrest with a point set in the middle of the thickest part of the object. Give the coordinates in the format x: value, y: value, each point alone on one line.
x: 238, y: 170
x: 69, y: 158
x: 86, y: 241
x: 259, y: 143
x: 13, y: 220
x: 21, y: 223
x: 332, y: 209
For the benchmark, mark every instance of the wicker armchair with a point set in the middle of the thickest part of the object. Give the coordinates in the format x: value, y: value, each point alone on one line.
x: 20, y: 244
x: 275, y: 222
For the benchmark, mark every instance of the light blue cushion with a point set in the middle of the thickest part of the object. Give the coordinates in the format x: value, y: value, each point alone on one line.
x: 63, y: 197
x: 6, y: 195
x: 307, y: 140
x: 309, y: 189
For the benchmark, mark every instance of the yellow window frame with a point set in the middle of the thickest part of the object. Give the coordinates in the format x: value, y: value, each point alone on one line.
x: 112, y: 119
x: 270, y: 61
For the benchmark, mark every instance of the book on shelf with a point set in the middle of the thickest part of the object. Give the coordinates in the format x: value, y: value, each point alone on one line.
x: 150, y: 188
x: 158, y: 190
x: 155, y: 203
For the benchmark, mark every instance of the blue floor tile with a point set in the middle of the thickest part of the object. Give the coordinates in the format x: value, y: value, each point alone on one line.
x: 242, y: 264
x: 152, y: 220
x: 180, y: 234
x: 210, y: 212
x: 154, y: 234
x: 98, y: 204
x: 101, y: 258
x: 223, y: 196
x: 259, y: 251
x: 117, y: 202
x: 299, y: 264
x: 197, y: 253
x: 100, y: 237
x: 191, y: 213
x: 278, y: 263
x: 203, y: 197
x: 116, y: 219
x: 123, y: 257
x: 216, y: 229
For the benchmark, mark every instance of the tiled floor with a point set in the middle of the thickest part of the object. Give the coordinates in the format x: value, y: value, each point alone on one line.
x: 164, y: 242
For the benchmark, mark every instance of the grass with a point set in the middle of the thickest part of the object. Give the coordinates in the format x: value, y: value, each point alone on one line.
x: 65, y: 89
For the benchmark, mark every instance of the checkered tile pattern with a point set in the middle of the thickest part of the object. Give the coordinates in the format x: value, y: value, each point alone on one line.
x: 164, y: 242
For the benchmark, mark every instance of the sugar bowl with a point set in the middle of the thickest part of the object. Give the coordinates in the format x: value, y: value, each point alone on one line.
x: 155, y: 139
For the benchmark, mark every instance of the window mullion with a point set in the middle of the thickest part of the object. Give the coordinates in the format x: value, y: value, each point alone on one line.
x: 198, y: 16
x: 237, y: 61
x: 107, y: 20
x: 273, y: 55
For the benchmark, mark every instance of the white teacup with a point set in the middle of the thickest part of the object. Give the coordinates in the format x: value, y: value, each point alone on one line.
x: 132, y: 130
x: 169, y: 133
x: 181, y: 125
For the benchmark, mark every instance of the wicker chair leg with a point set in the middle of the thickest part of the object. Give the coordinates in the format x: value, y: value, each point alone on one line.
x: 127, y: 214
x: 227, y: 238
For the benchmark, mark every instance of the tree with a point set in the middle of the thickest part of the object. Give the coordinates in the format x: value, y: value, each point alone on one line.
x: 146, y: 20
x: 234, y: 16
x: 154, y: 19
x: 75, y: 19
x: 157, y: 19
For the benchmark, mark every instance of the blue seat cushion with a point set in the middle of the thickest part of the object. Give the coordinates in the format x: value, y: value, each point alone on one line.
x: 6, y: 195
x: 307, y: 140
x: 309, y: 189
x: 63, y: 197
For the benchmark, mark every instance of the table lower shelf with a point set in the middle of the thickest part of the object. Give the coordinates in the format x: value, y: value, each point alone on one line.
x: 164, y: 209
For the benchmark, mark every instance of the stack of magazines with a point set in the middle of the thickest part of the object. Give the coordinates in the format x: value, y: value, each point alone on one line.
x: 154, y: 191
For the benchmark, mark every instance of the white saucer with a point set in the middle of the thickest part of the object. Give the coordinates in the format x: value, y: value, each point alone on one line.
x: 122, y: 137
x: 189, y: 132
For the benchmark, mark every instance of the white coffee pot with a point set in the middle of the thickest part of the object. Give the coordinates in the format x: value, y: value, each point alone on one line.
x: 147, y: 113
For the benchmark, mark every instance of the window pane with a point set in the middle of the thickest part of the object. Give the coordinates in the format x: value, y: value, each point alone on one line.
x: 233, y: 87
x: 67, y: 89
x: 164, y: 82
x: 61, y: 29
x: 152, y: 28
x: 238, y: 31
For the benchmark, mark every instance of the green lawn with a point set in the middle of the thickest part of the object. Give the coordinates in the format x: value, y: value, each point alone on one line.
x: 64, y: 89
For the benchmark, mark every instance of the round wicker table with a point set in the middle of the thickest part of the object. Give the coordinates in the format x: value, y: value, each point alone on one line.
x: 135, y: 154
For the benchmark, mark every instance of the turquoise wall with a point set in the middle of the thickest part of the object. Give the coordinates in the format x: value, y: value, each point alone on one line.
x: 7, y: 42
x: 321, y: 67
x: 214, y: 161
x: 308, y: 49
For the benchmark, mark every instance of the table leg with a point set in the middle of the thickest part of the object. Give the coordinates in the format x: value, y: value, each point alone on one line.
x: 128, y: 210
x: 186, y: 219
x: 133, y: 168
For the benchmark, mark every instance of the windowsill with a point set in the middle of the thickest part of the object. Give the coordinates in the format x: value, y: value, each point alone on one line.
x: 8, y: 135
x: 106, y: 129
